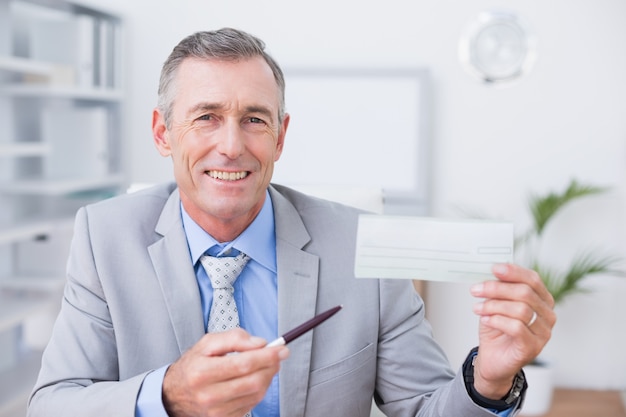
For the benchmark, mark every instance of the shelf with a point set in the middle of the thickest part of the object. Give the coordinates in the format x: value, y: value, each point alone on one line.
x: 16, y: 384
x: 25, y: 66
x: 62, y: 143
x: 24, y: 149
x: 33, y: 229
x: 72, y: 6
x: 61, y: 91
x: 17, y: 285
x: 60, y: 187
x: 18, y: 305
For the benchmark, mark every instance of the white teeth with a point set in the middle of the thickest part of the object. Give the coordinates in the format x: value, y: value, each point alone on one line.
x: 228, y: 176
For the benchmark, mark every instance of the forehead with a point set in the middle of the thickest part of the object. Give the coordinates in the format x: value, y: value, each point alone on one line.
x: 245, y: 81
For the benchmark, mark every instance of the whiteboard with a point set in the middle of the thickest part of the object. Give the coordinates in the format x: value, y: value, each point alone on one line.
x: 359, y: 128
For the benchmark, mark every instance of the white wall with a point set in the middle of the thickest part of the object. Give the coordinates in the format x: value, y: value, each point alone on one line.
x: 492, y: 146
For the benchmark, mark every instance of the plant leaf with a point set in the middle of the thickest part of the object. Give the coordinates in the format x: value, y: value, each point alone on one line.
x: 543, y: 208
x: 565, y: 283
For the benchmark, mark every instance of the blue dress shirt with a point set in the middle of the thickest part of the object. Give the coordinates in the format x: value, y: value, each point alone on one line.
x: 256, y: 295
x: 504, y: 413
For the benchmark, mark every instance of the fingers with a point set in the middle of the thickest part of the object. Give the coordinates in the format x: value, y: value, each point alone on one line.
x: 513, y: 318
x: 246, y: 386
x: 230, y: 348
x: 532, y: 315
x: 234, y: 367
x: 518, y: 303
x: 236, y: 340
x: 516, y: 321
x: 210, y: 377
x: 517, y: 274
x: 521, y: 286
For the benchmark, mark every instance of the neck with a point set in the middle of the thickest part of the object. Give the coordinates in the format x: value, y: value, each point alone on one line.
x: 222, y: 230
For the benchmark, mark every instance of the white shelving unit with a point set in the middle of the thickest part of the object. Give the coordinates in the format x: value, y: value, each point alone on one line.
x: 25, y: 66
x: 12, y: 150
x: 60, y: 91
x: 61, y: 138
x: 60, y: 187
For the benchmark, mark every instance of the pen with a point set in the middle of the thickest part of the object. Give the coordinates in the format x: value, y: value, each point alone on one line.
x: 304, y: 327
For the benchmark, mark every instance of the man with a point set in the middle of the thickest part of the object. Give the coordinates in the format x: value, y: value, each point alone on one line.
x: 131, y: 339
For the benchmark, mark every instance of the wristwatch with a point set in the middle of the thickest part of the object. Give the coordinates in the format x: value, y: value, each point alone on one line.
x: 514, y: 397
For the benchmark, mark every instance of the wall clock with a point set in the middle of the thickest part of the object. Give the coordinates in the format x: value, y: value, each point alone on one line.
x: 497, y: 47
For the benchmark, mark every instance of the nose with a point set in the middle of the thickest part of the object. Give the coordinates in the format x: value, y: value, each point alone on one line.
x: 231, y: 142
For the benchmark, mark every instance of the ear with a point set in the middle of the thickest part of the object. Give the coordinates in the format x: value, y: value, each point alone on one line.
x: 281, y: 137
x: 160, y: 133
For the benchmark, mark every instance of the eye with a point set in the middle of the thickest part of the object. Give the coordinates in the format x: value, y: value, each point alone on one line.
x: 256, y: 120
x: 205, y: 117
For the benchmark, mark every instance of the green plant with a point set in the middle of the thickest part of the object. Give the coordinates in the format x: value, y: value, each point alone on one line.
x: 543, y: 209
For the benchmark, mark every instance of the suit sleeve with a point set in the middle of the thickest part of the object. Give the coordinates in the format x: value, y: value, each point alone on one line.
x: 413, y: 374
x: 79, y: 374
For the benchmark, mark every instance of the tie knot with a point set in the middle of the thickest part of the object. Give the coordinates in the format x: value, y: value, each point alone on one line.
x: 224, y: 270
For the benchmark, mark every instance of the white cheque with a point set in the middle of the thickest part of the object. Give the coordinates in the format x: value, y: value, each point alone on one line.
x: 431, y: 249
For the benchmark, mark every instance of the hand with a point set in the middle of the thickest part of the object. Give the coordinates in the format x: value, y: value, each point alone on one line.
x: 207, y: 381
x: 510, y: 335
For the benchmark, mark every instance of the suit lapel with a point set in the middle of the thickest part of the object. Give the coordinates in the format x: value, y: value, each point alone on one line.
x: 297, y: 299
x: 170, y: 258
x: 297, y: 291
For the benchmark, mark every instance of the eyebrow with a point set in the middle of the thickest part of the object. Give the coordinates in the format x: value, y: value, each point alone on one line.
x: 205, y: 106
x: 202, y: 107
x: 259, y: 109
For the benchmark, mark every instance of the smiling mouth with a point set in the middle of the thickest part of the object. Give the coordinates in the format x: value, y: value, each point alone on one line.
x: 227, y: 176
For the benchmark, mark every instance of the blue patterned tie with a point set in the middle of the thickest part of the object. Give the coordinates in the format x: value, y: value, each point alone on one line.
x: 223, y: 271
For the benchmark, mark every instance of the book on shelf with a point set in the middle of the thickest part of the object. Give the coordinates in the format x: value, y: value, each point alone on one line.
x: 5, y: 28
x: 105, y: 73
x: 118, y: 52
x: 81, y: 47
x: 54, y: 39
x: 85, y: 60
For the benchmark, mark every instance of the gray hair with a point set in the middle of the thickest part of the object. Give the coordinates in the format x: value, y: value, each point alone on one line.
x: 223, y: 44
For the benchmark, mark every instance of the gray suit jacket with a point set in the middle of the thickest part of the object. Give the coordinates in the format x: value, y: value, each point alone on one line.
x: 131, y: 305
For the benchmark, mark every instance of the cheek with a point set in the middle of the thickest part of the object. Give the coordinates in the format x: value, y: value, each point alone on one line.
x: 276, y: 148
x: 188, y: 144
x: 267, y: 155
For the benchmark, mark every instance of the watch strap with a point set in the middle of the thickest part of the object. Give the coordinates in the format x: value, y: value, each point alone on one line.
x: 515, y: 395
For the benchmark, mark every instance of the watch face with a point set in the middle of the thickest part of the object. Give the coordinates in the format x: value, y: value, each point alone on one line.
x: 497, y: 47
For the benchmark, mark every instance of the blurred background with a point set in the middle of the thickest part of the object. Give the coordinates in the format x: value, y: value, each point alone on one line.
x: 492, y: 146
x: 485, y: 146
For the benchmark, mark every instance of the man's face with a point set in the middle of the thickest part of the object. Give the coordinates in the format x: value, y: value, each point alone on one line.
x: 224, y: 139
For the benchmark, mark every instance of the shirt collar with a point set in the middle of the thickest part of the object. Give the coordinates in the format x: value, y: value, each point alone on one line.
x: 258, y: 240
